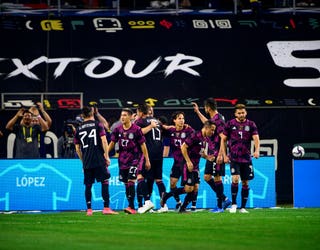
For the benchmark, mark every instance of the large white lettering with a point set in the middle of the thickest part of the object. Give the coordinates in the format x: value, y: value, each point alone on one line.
x: 177, y: 59
x: 26, y: 69
x: 282, y: 56
x: 30, y: 181
x: 128, y: 69
x: 95, y: 62
x: 179, y: 62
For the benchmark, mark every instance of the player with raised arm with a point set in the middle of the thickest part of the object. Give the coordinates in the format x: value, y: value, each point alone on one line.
x: 132, y: 154
x: 92, y: 148
x: 215, y: 170
x: 238, y: 133
x: 194, y: 147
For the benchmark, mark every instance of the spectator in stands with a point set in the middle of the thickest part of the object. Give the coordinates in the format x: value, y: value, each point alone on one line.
x: 159, y: 4
x: 171, y: 3
x: 36, y: 110
x: 27, y: 133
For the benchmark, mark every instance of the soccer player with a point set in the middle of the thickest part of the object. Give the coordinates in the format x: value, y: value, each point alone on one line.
x: 194, y: 147
x: 152, y: 130
x: 132, y: 154
x: 177, y: 135
x: 215, y: 168
x: 92, y: 148
x: 239, y: 132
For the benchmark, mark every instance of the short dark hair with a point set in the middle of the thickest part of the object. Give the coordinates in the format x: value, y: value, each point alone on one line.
x: 87, y: 111
x: 128, y: 110
x: 176, y: 114
x: 163, y: 119
x: 144, y: 108
x: 211, y: 103
x: 208, y: 123
x: 27, y: 111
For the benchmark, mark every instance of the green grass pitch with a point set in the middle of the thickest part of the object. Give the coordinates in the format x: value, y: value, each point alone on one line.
x: 273, y: 229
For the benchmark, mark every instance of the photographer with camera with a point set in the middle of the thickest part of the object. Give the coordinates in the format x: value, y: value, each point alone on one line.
x: 66, y: 148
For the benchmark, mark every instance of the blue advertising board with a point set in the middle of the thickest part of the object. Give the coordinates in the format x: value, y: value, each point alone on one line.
x: 57, y: 184
x: 306, y: 191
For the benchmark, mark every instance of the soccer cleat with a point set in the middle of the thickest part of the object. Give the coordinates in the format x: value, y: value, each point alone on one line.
x: 148, y: 205
x: 226, y: 203
x: 163, y: 209
x: 178, y: 205
x: 217, y: 210
x: 183, y: 210
x: 193, y: 209
x: 89, y: 212
x: 243, y: 211
x: 233, y: 209
x: 130, y: 210
x: 108, y: 211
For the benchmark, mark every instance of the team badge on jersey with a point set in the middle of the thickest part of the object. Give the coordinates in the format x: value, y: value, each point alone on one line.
x: 131, y: 136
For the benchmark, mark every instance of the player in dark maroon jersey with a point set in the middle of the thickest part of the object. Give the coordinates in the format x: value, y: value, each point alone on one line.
x: 194, y: 147
x: 92, y: 148
x: 215, y: 169
x: 132, y: 154
x: 238, y: 133
x: 177, y: 135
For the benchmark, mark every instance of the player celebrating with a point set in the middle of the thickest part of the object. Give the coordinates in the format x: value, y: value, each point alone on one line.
x: 132, y: 153
x: 193, y: 148
x: 92, y: 148
x: 239, y: 132
x: 177, y: 134
x: 152, y: 131
x: 216, y: 168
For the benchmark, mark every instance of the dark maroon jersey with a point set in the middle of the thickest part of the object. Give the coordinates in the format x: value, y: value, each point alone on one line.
x: 239, y: 139
x: 129, y: 141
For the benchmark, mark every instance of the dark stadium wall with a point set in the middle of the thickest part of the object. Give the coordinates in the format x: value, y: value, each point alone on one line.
x: 270, y: 64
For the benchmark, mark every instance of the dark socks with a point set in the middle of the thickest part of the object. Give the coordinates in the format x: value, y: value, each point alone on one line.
x: 187, y: 200
x: 130, y: 193
x: 211, y: 184
x: 150, y: 186
x: 194, y: 199
x: 161, y: 188
x: 105, y: 193
x: 142, y: 192
x: 244, y: 195
x: 176, y: 196
x: 176, y: 191
x: 219, y: 192
x: 234, y: 192
x: 88, y: 195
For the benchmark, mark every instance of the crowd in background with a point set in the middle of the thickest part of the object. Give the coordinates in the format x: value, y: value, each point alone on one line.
x: 158, y: 4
